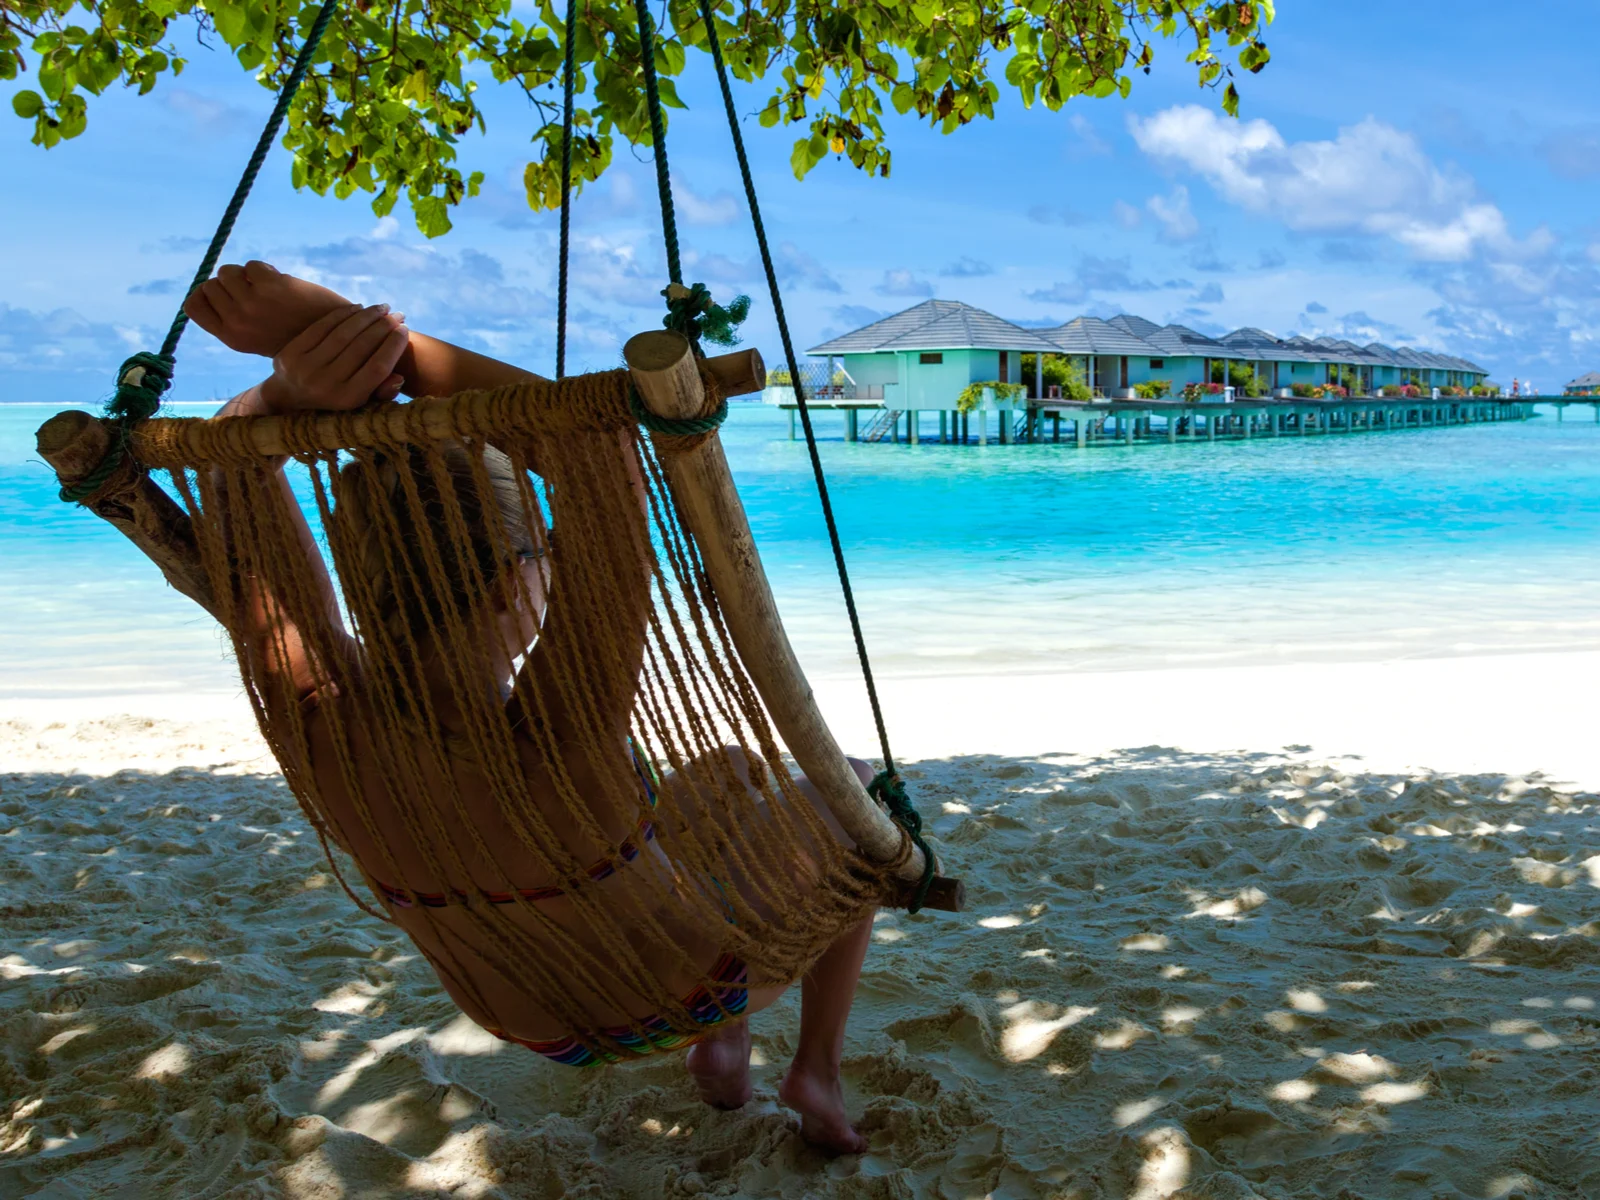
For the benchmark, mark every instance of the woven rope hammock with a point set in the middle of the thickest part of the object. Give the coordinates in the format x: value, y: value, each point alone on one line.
x: 640, y: 759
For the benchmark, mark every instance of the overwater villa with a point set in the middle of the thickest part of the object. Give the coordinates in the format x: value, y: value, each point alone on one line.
x: 924, y: 357
x: 1587, y: 384
x: 948, y: 358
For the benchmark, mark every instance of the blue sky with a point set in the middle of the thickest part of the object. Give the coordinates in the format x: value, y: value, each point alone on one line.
x: 1422, y: 173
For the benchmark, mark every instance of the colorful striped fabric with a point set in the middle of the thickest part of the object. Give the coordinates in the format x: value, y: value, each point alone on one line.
x: 653, y: 1035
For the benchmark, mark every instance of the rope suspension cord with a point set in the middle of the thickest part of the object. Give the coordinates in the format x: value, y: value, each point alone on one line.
x: 145, y: 377
x: 690, y: 309
x: 887, y: 787
x: 568, y: 79
x: 658, y: 139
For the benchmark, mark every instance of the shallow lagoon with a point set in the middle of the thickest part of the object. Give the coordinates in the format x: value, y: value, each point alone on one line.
x: 1462, y: 540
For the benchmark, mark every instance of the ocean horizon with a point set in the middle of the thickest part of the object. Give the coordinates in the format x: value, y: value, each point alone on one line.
x: 1461, y: 540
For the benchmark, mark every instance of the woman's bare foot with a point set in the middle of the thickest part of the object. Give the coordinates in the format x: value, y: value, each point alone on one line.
x: 257, y: 309
x: 720, y: 1064
x: 820, y: 1103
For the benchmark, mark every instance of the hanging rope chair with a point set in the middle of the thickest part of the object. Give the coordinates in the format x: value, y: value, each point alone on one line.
x: 661, y: 702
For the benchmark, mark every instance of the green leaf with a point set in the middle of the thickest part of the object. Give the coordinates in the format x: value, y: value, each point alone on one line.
x: 396, y: 83
x: 231, y: 20
x: 800, y: 158
x: 432, y: 213
x: 416, y: 87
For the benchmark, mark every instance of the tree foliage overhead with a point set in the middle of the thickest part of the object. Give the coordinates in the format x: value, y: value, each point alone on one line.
x: 395, y: 83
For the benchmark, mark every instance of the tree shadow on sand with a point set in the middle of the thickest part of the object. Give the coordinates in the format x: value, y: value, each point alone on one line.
x: 1180, y: 975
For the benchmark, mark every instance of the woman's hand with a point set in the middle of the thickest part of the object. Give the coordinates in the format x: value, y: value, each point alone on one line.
x: 340, y: 362
x: 256, y: 308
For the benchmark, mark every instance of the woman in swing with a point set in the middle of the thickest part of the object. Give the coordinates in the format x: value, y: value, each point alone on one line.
x: 328, y: 354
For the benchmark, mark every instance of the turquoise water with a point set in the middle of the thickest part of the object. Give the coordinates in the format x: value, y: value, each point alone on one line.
x: 1478, y: 539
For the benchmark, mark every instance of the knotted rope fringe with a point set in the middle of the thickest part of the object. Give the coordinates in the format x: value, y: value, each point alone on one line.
x: 632, y: 641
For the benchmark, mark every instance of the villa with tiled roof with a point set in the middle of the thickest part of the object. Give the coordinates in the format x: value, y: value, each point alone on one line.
x: 923, y: 357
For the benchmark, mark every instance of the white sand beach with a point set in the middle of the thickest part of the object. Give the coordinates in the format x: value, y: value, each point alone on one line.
x: 1279, y: 932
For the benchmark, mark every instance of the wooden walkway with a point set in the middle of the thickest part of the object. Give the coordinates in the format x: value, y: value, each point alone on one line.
x: 1097, y: 423
x: 1127, y: 422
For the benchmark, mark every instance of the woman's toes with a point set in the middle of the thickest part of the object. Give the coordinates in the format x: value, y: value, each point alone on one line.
x: 823, y: 1122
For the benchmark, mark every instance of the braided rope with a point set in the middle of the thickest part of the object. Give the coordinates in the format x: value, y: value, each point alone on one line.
x: 143, y: 379
x: 887, y: 787
x: 568, y: 80
x: 680, y: 427
x: 241, y: 193
x: 658, y: 138
x: 794, y: 374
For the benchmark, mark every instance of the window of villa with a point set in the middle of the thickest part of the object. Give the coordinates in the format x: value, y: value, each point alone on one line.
x: 1157, y: 364
x: 931, y: 357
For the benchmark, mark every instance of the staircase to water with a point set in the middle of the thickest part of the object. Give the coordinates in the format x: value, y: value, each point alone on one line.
x: 882, y: 425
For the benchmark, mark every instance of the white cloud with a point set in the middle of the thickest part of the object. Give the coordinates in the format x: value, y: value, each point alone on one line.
x: 903, y: 283
x: 1372, y: 179
x: 1178, y: 223
x: 464, y: 295
x: 721, y: 209
x: 796, y: 267
x: 62, y: 340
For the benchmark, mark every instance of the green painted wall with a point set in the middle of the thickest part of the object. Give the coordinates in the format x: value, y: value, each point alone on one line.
x: 1178, y: 370
x: 936, y: 385
x: 872, y: 369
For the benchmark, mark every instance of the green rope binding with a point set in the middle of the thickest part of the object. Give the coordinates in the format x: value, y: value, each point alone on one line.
x: 889, y: 790
x: 691, y: 312
x: 679, y: 426
x: 144, y: 378
x: 141, y: 381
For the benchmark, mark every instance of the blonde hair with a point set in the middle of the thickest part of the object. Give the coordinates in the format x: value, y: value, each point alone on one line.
x: 407, y: 595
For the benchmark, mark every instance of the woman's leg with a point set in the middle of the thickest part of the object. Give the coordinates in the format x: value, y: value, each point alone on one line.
x: 811, y: 1087
x: 720, y: 1061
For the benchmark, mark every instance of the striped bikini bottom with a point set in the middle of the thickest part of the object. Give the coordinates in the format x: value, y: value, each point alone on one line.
x: 652, y: 1035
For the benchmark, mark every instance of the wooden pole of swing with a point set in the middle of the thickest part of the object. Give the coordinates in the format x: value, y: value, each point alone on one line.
x: 74, y: 443
x: 668, y: 378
